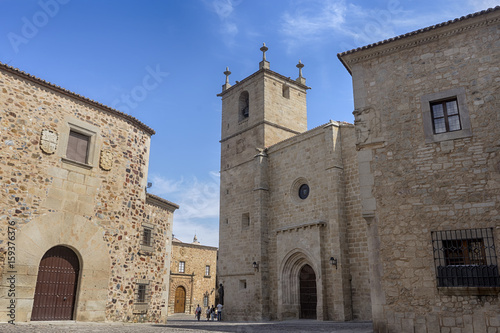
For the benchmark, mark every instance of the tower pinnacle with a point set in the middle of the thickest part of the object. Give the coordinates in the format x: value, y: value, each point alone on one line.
x: 300, y: 79
x: 264, y: 63
x: 226, y: 85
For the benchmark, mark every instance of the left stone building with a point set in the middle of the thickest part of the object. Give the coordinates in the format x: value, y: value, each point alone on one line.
x: 80, y: 239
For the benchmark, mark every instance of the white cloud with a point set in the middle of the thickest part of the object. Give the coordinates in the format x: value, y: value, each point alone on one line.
x: 199, y: 206
x: 479, y: 5
x: 225, y: 11
x: 310, y: 21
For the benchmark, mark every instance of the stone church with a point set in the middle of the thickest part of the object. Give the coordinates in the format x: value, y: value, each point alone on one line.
x: 80, y: 239
x: 394, y: 219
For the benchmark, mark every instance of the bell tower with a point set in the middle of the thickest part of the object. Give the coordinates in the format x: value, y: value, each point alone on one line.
x: 257, y: 112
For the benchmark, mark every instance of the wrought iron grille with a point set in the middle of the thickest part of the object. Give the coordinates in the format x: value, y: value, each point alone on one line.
x: 465, y: 258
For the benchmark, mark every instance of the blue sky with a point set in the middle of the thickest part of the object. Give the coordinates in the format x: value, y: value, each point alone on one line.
x: 162, y: 62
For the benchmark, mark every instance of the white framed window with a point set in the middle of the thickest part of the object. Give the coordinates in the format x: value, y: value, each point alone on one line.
x: 182, y: 266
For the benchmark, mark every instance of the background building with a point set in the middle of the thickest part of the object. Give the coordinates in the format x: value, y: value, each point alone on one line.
x: 427, y: 108
x: 192, y: 276
x: 80, y: 238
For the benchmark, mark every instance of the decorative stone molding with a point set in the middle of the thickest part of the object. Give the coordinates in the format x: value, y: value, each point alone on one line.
x: 302, y: 226
x: 48, y: 141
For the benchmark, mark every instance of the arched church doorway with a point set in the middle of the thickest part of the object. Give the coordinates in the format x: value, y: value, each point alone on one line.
x: 308, y: 296
x: 180, y: 300
x: 56, y: 285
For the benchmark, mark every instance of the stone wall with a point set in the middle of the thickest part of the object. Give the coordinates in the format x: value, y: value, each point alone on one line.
x: 414, y: 182
x: 194, y: 280
x: 97, y: 208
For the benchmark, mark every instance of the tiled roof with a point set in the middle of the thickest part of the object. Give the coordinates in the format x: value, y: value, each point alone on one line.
x: 32, y: 78
x: 432, y: 27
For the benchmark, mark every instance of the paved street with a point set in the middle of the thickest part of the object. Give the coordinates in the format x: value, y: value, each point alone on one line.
x: 184, y: 323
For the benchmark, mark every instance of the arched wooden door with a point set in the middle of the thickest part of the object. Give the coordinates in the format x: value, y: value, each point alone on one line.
x: 180, y: 300
x: 308, y: 296
x: 56, y: 285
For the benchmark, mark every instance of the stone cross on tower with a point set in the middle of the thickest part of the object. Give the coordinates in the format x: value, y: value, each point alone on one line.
x: 300, y: 79
x: 226, y: 85
x: 264, y: 63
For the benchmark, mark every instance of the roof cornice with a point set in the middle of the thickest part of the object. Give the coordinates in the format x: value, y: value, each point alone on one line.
x: 63, y: 91
x: 421, y: 36
x: 268, y: 72
x: 160, y: 202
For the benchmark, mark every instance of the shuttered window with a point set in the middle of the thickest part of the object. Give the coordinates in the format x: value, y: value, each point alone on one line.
x: 78, y: 145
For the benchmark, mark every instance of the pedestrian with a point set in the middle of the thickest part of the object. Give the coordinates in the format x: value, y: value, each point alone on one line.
x: 208, y: 313
x: 219, y: 312
x: 197, y: 312
x: 212, y: 312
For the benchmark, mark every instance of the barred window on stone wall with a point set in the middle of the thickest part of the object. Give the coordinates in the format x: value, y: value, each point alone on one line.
x: 182, y: 266
x: 142, y: 295
x: 465, y: 258
x: 146, y: 237
x: 205, y: 300
x: 207, y: 270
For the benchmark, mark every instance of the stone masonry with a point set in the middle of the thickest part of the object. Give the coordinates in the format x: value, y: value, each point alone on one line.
x: 194, y: 283
x: 97, y: 208
x: 417, y: 184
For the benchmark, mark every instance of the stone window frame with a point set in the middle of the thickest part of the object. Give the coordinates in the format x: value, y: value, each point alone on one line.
x: 151, y: 227
x: 295, y: 191
x: 243, y: 284
x: 207, y: 270
x: 428, y: 99
x: 142, y: 295
x: 243, y: 106
x: 285, y: 91
x: 245, y: 221
x: 80, y: 127
x: 182, y: 267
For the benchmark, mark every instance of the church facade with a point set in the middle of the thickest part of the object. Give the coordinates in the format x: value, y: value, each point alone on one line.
x: 80, y: 239
x: 290, y: 210
x: 393, y: 219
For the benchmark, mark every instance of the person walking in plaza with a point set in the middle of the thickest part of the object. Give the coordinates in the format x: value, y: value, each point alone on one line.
x: 212, y: 312
x: 197, y: 312
x: 219, y: 312
x: 208, y: 313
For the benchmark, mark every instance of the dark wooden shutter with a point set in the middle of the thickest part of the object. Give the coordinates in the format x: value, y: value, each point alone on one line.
x: 78, y: 145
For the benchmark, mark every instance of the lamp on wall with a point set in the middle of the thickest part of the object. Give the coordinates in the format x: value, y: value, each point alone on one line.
x: 333, y: 262
x: 255, y: 266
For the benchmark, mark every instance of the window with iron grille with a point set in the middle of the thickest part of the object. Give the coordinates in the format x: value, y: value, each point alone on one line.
x: 207, y: 270
x: 205, y: 300
x: 146, y: 236
x: 465, y: 258
x: 182, y: 266
x: 445, y: 116
x: 142, y: 296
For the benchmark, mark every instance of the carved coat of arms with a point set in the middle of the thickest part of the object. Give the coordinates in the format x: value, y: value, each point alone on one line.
x: 106, y: 160
x: 48, y: 141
